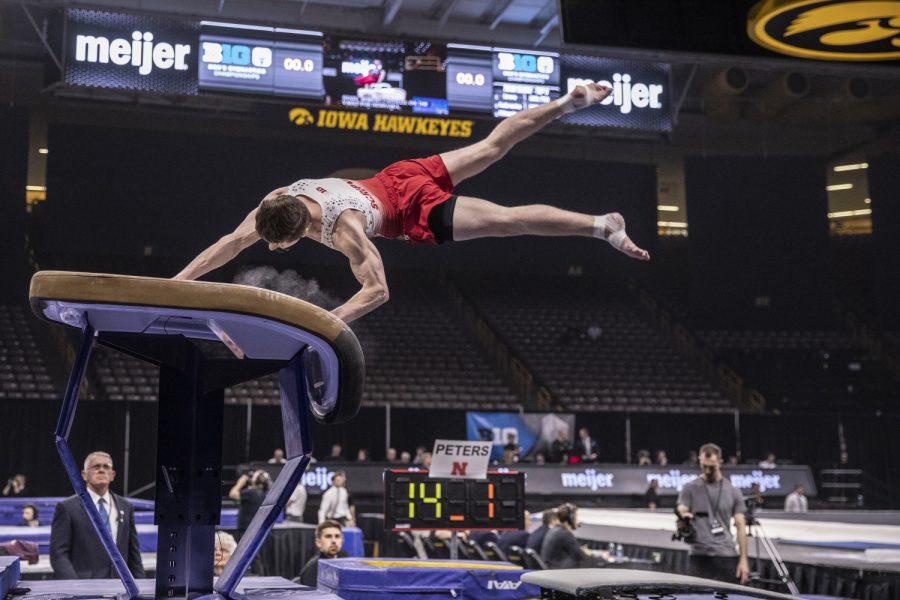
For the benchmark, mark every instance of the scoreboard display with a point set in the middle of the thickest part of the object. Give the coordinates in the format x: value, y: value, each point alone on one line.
x: 187, y: 57
x: 414, y: 501
x: 282, y: 65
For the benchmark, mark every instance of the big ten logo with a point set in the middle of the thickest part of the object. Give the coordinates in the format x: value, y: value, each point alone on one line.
x: 141, y: 52
x: 524, y: 63
x: 236, y: 54
x: 505, y: 435
x: 300, y: 116
x: 626, y: 94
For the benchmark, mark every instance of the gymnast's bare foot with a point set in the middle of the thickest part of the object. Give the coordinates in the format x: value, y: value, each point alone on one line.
x: 614, y: 233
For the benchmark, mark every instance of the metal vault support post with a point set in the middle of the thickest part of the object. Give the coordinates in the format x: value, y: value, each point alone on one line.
x: 63, y: 427
x: 188, y: 478
x: 298, y: 447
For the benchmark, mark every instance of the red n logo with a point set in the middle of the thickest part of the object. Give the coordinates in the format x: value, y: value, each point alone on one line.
x: 459, y: 469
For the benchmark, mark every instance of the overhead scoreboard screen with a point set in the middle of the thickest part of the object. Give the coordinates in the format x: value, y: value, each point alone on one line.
x: 414, y: 501
x: 183, y: 57
x: 260, y: 60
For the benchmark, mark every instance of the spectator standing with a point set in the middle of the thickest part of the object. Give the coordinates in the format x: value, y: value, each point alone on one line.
x: 336, y: 502
x: 296, y: 504
x: 277, y: 457
x: 796, y: 501
x: 585, y: 446
x: 75, y: 550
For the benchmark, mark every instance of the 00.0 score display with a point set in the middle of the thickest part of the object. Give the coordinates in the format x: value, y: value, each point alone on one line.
x: 466, y: 78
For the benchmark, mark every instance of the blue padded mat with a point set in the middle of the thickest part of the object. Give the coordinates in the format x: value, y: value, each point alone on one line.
x: 844, y: 545
x: 253, y: 588
x: 9, y: 574
x: 396, y: 579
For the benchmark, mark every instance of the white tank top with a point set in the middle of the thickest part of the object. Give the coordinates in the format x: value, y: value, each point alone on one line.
x: 335, y: 196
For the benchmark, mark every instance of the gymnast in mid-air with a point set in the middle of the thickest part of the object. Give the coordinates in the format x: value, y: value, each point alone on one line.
x: 413, y: 200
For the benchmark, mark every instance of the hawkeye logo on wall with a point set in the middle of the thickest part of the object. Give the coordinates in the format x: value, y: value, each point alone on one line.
x: 846, y: 30
x: 360, y: 121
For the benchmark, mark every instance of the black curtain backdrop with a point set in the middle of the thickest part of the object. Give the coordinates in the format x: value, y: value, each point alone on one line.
x: 100, y: 425
x: 13, y: 173
x: 758, y: 228
x: 128, y: 192
x: 884, y: 183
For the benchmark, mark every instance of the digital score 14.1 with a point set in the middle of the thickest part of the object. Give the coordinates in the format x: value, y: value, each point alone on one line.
x: 413, y: 501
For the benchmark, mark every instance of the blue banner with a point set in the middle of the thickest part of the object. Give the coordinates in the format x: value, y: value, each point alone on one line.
x: 530, y: 432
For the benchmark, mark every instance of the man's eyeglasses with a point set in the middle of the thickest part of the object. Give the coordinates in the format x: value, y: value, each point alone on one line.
x: 100, y: 467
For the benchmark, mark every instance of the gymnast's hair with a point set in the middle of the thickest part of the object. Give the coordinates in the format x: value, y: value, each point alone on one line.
x: 282, y: 219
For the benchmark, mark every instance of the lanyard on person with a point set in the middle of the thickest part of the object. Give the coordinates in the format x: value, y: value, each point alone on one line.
x: 716, y: 527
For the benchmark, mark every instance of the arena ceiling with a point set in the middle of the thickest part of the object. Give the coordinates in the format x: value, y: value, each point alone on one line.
x: 852, y: 104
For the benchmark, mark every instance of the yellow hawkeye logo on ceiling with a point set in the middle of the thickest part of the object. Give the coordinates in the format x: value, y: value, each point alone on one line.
x: 382, y: 123
x: 846, y: 30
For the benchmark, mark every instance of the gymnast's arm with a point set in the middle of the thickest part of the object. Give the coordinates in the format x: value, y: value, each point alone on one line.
x: 224, y: 250
x: 365, y: 261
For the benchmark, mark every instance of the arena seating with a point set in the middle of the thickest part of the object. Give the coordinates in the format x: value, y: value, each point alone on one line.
x: 23, y: 372
x: 590, y: 347
x: 417, y: 356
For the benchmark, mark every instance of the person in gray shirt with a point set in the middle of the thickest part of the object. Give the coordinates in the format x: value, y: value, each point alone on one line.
x: 709, y: 503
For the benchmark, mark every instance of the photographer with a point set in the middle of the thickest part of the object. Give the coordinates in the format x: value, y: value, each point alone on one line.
x: 251, y: 497
x: 705, y: 508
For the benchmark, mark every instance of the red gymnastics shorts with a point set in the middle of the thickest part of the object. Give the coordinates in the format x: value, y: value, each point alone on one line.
x: 412, y: 189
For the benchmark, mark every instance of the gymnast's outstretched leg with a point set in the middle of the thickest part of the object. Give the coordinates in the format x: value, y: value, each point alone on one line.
x: 476, y: 218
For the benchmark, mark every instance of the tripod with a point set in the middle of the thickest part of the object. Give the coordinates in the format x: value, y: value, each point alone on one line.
x: 755, y: 530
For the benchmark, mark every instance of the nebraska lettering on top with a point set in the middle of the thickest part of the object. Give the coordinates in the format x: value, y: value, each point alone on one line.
x: 140, y: 51
x: 461, y: 450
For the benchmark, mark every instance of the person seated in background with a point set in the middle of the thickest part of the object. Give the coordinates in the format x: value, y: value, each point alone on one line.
x: 336, y: 454
x: 560, y: 549
x: 483, y: 537
x: 519, y: 538
x: 662, y: 459
x: 330, y: 543
x: 511, y: 451
x: 391, y: 455
x: 15, y: 486
x: 224, y: 547
x: 405, y: 457
x: 768, y: 462
x: 561, y: 448
x: 644, y: 458
x: 277, y: 457
x: 336, y: 502
x: 250, y: 490
x: 362, y: 455
x: 30, y: 516
x: 426, y: 460
x: 549, y: 520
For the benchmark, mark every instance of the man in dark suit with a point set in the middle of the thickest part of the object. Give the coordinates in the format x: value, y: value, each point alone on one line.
x: 585, y: 446
x: 75, y: 549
